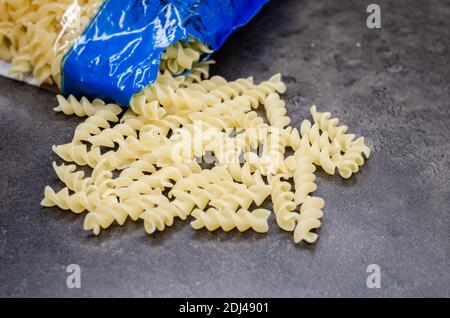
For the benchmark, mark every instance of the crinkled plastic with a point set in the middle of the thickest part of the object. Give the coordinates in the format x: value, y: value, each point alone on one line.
x: 119, y: 52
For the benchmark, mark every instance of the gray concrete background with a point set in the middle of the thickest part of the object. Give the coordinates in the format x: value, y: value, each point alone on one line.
x: 390, y: 85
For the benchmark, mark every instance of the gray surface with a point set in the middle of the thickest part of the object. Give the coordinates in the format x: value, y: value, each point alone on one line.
x: 393, y: 89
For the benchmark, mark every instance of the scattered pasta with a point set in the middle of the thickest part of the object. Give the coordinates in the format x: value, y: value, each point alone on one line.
x: 144, y: 159
x: 155, y: 144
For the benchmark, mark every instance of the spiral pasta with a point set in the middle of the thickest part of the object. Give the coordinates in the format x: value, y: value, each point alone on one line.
x: 331, y: 125
x: 77, y: 202
x: 74, y: 180
x: 283, y: 203
x: 163, y: 215
x: 81, y: 108
x: 352, y: 159
x: 321, y: 148
x: 79, y: 154
x: 42, y: 34
x: 227, y: 220
x: 183, y: 55
x: 303, y: 176
x: 348, y: 162
x: 216, y: 182
x: 310, y: 213
x: 144, y: 159
x: 151, y: 111
x: 259, y: 93
x: 199, y: 72
x: 244, y: 174
x: 105, y: 214
x: 243, y: 197
x: 93, y: 125
x: 230, y: 90
x: 38, y: 34
x: 276, y: 111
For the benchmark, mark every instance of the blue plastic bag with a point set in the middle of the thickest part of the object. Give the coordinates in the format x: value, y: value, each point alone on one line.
x: 119, y: 52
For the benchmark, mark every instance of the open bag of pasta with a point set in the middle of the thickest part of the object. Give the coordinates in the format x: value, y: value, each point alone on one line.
x: 139, y: 71
x: 113, y: 49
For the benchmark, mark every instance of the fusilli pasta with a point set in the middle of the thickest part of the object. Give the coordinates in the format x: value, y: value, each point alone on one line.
x: 310, y: 213
x: 155, y: 143
x: 243, y: 220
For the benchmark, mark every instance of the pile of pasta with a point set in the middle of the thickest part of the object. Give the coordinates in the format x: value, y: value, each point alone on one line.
x: 148, y: 160
x: 35, y: 35
x: 189, y: 145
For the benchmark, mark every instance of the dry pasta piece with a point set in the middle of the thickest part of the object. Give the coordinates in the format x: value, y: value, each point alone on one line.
x: 114, y: 210
x: 227, y: 220
x: 321, y: 148
x: 150, y: 110
x: 242, y: 196
x: 77, y: 202
x: 94, y: 124
x: 348, y: 162
x: 244, y: 174
x: 352, y: 159
x: 79, y: 154
x: 331, y: 125
x: 199, y: 72
x: 310, y: 213
x: 276, y: 111
x: 163, y: 215
x: 189, y: 192
x: 73, y: 179
x: 182, y: 55
x: 81, y: 108
x: 283, y: 203
x: 259, y: 93
x: 304, y: 174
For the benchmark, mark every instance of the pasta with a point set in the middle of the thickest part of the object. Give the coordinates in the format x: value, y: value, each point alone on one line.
x: 242, y: 197
x: 77, y: 202
x: 276, y: 112
x: 144, y: 159
x: 243, y: 220
x: 114, y: 210
x: 42, y: 33
x: 151, y: 111
x: 330, y: 125
x: 310, y: 213
x: 303, y: 176
x: 134, y: 176
x: 183, y: 55
x: 100, y: 180
x: 244, y: 174
x: 94, y: 124
x: 79, y: 154
x: 321, y: 149
x: 196, y: 190
x: 159, y: 217
x: 74, y: 180
x: 82, y: 107
x: 349, y: 163
x: 37, y: 34
x: 199, y: 72
x: 283, y: 203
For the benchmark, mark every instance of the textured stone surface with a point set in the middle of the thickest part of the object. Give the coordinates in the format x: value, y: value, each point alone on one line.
x: 390, y: 85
